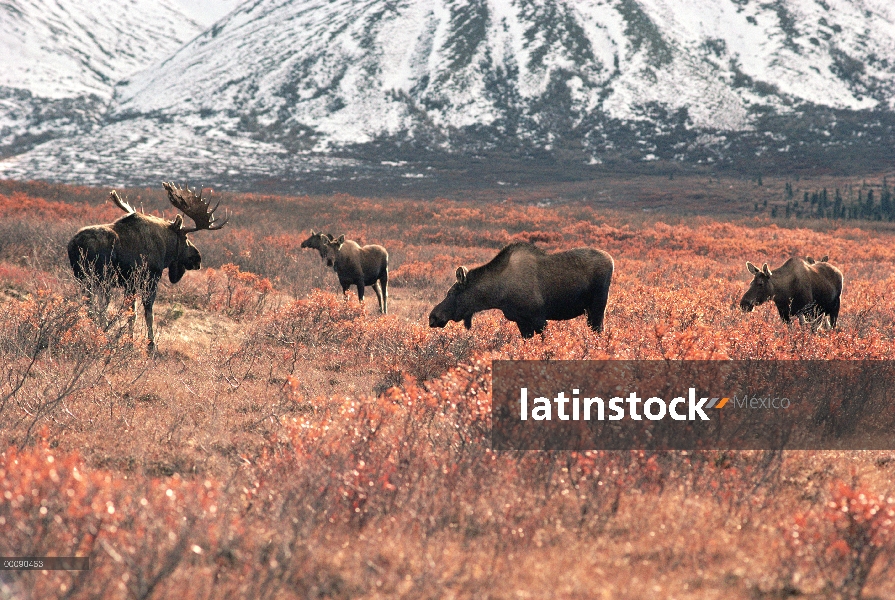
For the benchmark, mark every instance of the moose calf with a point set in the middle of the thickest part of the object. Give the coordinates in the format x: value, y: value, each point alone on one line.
x: 360, y: 266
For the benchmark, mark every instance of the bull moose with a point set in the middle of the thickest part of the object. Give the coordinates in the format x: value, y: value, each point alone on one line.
x: 133, y: 251
x: 360, y: 266
x: 798, y: 288
x: 318, y: 241
x: 531, y: 287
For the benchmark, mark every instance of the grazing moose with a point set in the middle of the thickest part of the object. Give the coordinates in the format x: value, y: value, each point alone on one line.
x: 360, y: 266
x: 798, y: 288
x: 133, y: 251
x: 318, y: 242
x: 531, y: 287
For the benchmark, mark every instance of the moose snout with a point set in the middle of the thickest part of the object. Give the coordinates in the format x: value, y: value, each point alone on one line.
x: 436, y: 321
x: 746, y: 305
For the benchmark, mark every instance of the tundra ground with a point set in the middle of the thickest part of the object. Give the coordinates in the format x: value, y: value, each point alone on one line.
x: 284, y: 442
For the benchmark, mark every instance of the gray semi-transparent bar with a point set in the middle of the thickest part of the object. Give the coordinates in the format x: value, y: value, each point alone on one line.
x: 693, y: 405
x: 44, y: 563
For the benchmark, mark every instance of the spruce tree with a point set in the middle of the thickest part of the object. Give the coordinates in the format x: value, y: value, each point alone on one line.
x: 885, y: 202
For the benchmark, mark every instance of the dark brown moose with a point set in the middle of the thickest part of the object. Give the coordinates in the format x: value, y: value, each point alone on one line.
x: 531, y: 287
x: 318, y: 241
x: 360, y: 266
x: 798, y: 288
x: 133, y: 251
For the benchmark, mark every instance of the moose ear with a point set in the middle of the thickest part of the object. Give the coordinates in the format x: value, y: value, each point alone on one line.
x: 766, y: 270
x: 462, y: 273
x: 175, y: 272
x: 825, y: 258
x: 752, y: 268
x: 313, y: 233
x: 177, y: 222
x: 341, y: 239
x: 330, y: 236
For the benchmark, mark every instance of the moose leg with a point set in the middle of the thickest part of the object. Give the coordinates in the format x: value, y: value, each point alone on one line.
x: 378, y: 289
x: 133, y: 302
x: 147, y: 313
x: 148, y: 301
x: 346, y: 285
x: 834, y: 313
x: 360, y: 290
x: 526, y: 331
x: 131, y: 296
x: 383, y: 279
x: 784, y: 310
x: 597, y: 310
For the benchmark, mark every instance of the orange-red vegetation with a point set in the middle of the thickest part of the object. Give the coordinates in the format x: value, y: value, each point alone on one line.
x: 287, y: 441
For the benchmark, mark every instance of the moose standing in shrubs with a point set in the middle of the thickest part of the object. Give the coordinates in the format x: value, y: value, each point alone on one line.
x: 798, y: 288
x: 531, y: 287
x: 360, y: 266
x: 133, y: 251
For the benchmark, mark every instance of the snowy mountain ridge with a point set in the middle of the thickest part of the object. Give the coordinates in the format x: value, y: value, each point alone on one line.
x: 62, y: 60
x: 278, y: 87
x: 58, y: 49
x: 353, y: 71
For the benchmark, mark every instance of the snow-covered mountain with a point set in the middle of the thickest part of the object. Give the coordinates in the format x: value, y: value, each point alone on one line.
x: 354, y: 71
x: 62, y: 59
x: 278, y: 87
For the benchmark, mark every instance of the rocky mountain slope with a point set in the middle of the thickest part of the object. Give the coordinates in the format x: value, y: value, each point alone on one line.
x: 286, y: 89
x: 62, y: 60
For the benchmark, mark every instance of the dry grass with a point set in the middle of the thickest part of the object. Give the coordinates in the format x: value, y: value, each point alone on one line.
x: 284, y: 442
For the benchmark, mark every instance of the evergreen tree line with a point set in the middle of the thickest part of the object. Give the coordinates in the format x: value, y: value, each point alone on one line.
x: 870, y: 205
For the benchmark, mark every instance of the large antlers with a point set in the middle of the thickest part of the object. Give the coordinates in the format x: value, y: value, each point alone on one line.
x: 195, y: 207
